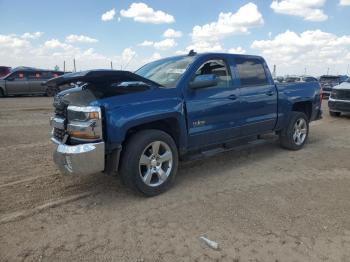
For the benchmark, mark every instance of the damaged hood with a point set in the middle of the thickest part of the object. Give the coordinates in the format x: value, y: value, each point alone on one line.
x: 98, y: 76
x: 98, y: 84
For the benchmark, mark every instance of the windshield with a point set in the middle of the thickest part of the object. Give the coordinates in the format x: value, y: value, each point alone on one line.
x: 329, y: 78
x: 166, y: 72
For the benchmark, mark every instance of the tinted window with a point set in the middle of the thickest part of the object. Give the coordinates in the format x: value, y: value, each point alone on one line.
x: 18, y: 76
x: 218, y: 68
x: 309, y: 79
x: 251, y: 72
x: 32, y: 75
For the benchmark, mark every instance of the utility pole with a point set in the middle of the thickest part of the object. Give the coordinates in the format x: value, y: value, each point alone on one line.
x: 347, y: 70
x: 327, y: 71
x: 274, y: 71
x: 64, y: 66
x: 75, y: 68
x: 111, y: 65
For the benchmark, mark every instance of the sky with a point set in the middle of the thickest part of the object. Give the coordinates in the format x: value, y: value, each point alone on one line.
x: 297, y: 36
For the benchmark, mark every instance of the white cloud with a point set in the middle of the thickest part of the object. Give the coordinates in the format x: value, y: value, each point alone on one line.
x: 310, y: 10
x: 141, y: 12
x: 237, y: 50
x: 248, y: 16
x: 204, y: 46
x: 35, y: 35
x: 13, y: 41
x: 165, y: 44
x: 161, y: 45
x: 146, y: 43
x: 171, y: 33
x: 108, y: 16
x: 80, y: 39
x: 344, y: 2
x: 316, y: 50
x: 55, y: 44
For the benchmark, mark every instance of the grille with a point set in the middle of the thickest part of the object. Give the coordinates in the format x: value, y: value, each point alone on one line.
x: 58, y: 134
x: 342, y: 94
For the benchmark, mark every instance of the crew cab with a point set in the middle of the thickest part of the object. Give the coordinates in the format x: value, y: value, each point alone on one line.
x: 140, y: 124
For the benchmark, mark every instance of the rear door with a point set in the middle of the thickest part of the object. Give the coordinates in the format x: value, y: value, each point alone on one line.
x: 17, y: 83
x: 212, y: 112
x: 35, y: 82
x: 258, y: 96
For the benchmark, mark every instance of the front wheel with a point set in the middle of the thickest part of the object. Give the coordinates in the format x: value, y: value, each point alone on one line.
x: 149, y: 162
x: 294, y: 136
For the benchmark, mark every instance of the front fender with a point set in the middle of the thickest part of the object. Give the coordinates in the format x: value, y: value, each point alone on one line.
x: 120, y: 120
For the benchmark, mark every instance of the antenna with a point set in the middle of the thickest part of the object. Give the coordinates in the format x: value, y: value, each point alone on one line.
x: 75, y: 68
x: 129, y: 61
x: 192, y: 53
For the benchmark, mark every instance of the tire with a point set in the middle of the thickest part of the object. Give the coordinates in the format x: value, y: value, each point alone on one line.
x: 52, y: 91
x: 142, y: 168
x: 295, y: 135
x: 334, y: 114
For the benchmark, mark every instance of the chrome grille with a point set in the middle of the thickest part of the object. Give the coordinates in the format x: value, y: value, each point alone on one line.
x: 59, y: 134
x: 342, y: 94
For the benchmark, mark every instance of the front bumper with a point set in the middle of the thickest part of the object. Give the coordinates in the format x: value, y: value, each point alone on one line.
x: 81, y: 159
x: 342, y: 106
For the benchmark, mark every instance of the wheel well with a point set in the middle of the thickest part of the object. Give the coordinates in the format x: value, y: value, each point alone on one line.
x: 168, y: 125
x: 305, y: 107
x: 2, y: 91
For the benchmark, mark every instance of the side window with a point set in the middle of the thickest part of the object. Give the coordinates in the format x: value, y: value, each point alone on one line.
x: 32, y: 76
x: 251, y: 72
x: 46, y: 75
x: 19, y: 76
x: 218, y: 68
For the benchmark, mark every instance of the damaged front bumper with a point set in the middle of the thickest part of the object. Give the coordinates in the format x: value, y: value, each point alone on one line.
x: 81, y: 159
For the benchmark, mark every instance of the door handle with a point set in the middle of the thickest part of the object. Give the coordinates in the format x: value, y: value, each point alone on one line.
x: 232, y: 97
x: 270, y: 93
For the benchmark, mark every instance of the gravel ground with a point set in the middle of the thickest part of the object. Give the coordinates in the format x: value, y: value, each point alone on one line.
x: 259, y: 204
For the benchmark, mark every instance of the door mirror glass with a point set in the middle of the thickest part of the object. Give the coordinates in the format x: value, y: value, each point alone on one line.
x: 203, y: 81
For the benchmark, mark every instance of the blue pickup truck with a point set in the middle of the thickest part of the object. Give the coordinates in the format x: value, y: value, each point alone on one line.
x: 141, y: 124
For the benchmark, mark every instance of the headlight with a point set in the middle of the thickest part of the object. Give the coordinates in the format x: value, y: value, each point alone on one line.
x: 333, y: 94
x: 84, y: 123
x: 77, y: 113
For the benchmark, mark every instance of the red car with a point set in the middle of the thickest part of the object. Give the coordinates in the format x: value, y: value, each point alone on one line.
x: 4, y: 70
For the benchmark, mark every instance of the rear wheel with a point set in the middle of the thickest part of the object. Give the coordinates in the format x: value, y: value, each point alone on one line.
x: 149, y: 162
x: 52, y: 91
x: 334, y: 114
x: 294, y: 136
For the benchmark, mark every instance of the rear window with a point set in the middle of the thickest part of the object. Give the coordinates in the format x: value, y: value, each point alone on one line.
x: 251, y: 71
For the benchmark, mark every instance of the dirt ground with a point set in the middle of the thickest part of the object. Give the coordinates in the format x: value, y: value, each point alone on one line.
x: 259, y: 204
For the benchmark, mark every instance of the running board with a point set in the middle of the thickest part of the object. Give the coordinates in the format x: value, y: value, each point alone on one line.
x: 225, y: 148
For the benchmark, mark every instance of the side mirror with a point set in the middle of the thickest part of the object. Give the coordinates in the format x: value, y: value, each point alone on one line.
x: 203, y: 81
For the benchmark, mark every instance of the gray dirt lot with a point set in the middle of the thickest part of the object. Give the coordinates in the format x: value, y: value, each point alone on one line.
x: 259, y: 204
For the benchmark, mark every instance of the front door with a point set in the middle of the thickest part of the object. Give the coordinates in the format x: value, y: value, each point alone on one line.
x: 212, y: 112
x: 16, y: 83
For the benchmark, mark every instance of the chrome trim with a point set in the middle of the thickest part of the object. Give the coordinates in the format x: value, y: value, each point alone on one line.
x: 338, y: 100
x: 57, y: 122
x: 81, y: 159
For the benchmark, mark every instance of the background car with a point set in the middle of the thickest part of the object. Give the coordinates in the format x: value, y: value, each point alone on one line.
x: 26, y: 80
x: 327, y: 82
x: 303, y: 78
x: 4, y: 70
